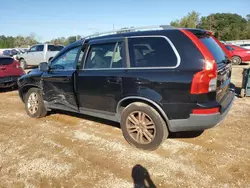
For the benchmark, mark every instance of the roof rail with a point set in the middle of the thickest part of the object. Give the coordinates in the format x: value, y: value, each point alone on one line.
x: 131, y: 29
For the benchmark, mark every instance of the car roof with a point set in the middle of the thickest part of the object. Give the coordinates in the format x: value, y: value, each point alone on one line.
x: 145, y: 33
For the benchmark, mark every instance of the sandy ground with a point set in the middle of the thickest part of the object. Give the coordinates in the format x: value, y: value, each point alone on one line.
x: 69, y: 150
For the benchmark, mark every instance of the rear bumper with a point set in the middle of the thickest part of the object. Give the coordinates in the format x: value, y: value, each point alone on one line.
x: 201, y: 122
x: 9, y: 81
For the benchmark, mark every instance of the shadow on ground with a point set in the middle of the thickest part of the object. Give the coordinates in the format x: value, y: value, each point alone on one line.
x: 141, y: 177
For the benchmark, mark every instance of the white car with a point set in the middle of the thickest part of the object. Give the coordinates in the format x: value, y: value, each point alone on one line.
x: 247, y: 46
x: 39, y: 53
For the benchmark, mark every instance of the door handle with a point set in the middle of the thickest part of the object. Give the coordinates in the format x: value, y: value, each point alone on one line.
x: 114, y: 80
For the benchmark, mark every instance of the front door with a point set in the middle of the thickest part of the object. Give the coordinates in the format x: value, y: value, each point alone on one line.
x: 58, y: 82
x: 99, y: 82
x: 35, y: 55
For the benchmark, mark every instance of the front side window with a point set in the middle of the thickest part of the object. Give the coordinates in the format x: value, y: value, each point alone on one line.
x: 33, y: 49
x: 40, y: 48
x: 100, y: 56
x: 151, y: 52
x: 67, y: 61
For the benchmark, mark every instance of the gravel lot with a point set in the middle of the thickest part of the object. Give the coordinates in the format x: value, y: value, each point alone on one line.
x: 69, y: 150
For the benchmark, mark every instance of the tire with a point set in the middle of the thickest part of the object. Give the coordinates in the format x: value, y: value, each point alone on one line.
x: 236, y: 60
x: 23, y: 64
x: 131, y: 129
x: 34, y: 97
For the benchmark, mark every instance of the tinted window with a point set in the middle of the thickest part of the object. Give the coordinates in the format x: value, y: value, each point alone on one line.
x: 54, y: 48
x: 100, y: 56
x: 229, y: 48
x: 66, y: 61
x: 151, y: 52
x: 5, y: 61
x: 214, y: 48
x: 40, y: 48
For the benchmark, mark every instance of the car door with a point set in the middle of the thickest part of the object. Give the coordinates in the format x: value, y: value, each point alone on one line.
x: 35, y: 55
x: 58, y: 82
x: 99, y: 81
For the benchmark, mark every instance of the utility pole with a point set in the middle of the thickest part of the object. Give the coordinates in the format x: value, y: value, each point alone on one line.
x: 113, y: 27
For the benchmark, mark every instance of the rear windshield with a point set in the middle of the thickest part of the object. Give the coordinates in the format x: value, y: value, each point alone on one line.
x: 5, y: 61
x: 214, y: 48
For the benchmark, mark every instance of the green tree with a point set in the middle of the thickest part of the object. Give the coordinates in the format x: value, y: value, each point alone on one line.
x: 189, y: 21
x: 227, y: 26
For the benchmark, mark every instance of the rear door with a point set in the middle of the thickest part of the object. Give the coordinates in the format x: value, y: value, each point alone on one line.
x: 223, y: 65
x: 58, y: 82
x: 99, y: 82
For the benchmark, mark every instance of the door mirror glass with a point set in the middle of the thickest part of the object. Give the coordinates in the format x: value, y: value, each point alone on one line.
x: 43, y: 67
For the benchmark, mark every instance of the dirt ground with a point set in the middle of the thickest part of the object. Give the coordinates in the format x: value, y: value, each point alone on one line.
x: 69, y: 150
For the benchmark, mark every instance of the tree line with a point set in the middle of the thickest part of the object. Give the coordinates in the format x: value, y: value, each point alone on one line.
x: 226, y: 26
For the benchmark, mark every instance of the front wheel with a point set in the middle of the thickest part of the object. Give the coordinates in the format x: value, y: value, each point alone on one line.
x: 34, y: 104
x: 236, y: 60
x: 142, y: 126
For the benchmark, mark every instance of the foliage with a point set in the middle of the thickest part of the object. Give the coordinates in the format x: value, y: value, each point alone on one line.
x: 189, y: 21
x: 226, y: 26
x: 19, y: 41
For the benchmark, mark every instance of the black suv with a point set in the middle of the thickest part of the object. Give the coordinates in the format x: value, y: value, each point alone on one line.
x: 153, y: 82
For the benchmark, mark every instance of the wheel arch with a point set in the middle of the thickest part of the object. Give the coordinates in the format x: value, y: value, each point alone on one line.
x: 25, y: 89
x: 128, y: 100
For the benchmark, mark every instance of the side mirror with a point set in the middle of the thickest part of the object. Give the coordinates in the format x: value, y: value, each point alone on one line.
x: 44, y: 67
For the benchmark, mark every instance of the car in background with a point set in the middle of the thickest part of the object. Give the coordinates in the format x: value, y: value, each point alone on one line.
x: 238, y: 54
x: 10, y: 71
x: 39, y: 53
x: 10, y: 52
x: 247, y: 46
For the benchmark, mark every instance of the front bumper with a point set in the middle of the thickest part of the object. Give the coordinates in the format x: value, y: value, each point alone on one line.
x: 200, y: 122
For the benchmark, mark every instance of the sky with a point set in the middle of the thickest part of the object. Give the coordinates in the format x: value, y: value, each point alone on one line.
x: 49, y: 19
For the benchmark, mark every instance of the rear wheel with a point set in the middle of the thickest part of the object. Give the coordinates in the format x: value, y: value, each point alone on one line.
x: 142, y: 126
x: 236, y: 60
x: 23, y: 64
x: 34, y: 104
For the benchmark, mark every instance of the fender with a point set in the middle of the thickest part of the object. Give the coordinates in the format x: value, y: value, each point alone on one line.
x: 154, y: 104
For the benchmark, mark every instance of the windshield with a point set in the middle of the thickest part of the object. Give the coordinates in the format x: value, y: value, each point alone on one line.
x: 214, y: 48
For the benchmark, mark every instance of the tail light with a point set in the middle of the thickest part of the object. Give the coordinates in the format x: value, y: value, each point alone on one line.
x: 16, y: 64
x: 206, y: 80
x: 206, y: 111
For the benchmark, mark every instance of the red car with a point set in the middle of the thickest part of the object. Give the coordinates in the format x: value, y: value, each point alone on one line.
x: 10, y: 71
x: 238, y: 54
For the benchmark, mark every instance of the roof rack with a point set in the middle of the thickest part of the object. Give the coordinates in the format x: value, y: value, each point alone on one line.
x: 132, y: 29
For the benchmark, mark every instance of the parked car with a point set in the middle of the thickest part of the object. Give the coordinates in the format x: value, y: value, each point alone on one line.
x: 247, y: 46
x: 151, y: 82
x: 238, y: 54
x: 39, y: 53
x: 10, y: 71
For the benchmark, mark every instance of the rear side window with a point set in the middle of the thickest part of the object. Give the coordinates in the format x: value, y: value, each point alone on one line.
x: 229, y: 47
x: 54, y: 48
x: 214, y: 48
x: 103, y: 56
x: 151, y: 52
x: 5, y: 61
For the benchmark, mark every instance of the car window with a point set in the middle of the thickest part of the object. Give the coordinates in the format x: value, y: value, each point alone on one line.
x: 54, y: 48
x: 117, y: 56
x: 100, y: 56
x: 33, y: 49
x: 67, y: 61
x: 151, y: 52
x: 229, y: 47
x: 40, y: 48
